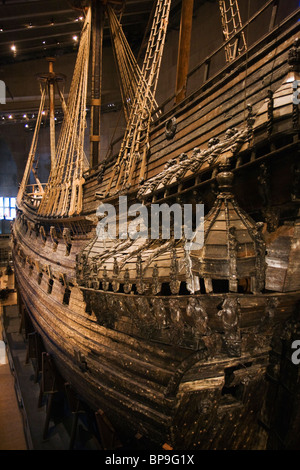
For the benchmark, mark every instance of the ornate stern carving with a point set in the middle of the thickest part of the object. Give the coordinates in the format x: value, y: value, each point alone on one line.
x: 144, y: 316
x: 105, y: 280
x: 294, y: 56
x: 174, y: 271
x: 160, y: 314
x: 127, y: 284
x: 230, y: 314
x: 260, y: 258
x: 177, y: 322
x: 233, y: 249
x: 140, y: 284
x: 81, y: 268
x: 156, y: 285
x: 116, y: 270
x: 198, y: 317
x: 233, y: 252
x: 94, y: 275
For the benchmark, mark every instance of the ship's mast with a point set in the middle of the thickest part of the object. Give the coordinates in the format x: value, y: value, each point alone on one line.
x: 97, y: 42
x: 50, y: 79
x: 51, y: 82
x: 184, y: 49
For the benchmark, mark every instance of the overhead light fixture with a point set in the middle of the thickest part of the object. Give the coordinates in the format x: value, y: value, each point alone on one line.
x: 25, y: 116
x: 75, y: 38
x: 13, y: 48
x: 10, y: 116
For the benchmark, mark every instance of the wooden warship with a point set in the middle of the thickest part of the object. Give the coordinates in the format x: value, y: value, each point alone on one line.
x: 191, y: 350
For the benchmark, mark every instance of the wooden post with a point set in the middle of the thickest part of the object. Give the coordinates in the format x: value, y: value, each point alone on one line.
x: 108, y: 435
x: 76, y: 408
x: 184, y: 49
x: 51, y: 82
x: 50, y: 385
x: 97, y: 40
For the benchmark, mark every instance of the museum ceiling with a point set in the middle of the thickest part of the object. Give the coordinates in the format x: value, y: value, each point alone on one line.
x: 39, y: 28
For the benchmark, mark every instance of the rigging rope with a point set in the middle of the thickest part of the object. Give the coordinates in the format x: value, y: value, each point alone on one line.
x: 63, y: 195
x: 128, y: 69
x: 136, y: 140
x: 68, y: 118
x: 231, y: 22
x: 32, y: 151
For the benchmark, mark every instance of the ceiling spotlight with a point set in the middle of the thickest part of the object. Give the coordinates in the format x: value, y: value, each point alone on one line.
x: 13, y: 48
x: 75, y: 38
x: 25, y: 116
x: 1, y: 30
x: 10, y: 116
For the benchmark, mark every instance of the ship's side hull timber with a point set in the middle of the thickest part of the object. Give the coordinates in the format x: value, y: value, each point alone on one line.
x: 150, y: 386
x: 220, y: 106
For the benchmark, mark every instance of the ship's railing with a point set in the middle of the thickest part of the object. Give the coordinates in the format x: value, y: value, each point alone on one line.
x: 33, y: 194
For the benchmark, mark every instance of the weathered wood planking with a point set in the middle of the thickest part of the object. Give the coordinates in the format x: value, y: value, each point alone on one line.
x: 197, y: 123
x: 191, y: 394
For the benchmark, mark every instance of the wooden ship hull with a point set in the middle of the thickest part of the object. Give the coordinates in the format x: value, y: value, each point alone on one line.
x: 205, y: 367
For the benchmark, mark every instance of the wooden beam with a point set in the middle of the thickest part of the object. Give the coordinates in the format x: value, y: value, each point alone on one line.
x: 184, y: 49
x: 51, y: 82
x: 97, y: 41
